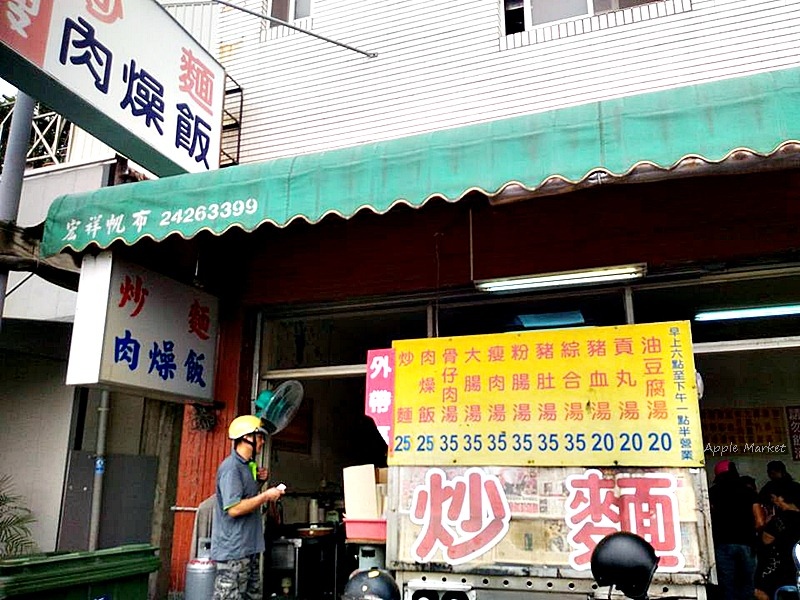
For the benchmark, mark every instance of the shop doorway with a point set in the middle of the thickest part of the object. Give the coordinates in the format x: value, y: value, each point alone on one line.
x: 746, y: 365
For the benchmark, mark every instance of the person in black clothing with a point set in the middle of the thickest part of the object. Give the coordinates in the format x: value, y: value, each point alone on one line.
x: 749, y: 482
x: 777, y: 474
x: 736, y: 516
x: 776, y: 566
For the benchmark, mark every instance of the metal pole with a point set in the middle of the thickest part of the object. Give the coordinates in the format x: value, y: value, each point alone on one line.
x: 99, y: 469
x: 265, y: 461
x: 628, y: 300
x: 14, y: 171
x: 290, y: 26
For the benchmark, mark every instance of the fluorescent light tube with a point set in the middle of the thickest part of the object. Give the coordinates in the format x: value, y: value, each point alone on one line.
x: 566, y: 278
x: 748, y: 313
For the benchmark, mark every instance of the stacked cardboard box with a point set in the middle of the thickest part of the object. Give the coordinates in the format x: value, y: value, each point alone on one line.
x: 381, y: 489
x: 365, y: 490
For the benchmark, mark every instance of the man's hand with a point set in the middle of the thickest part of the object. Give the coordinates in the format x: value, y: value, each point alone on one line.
x: 249, y: 505
x: 273, y: 493
x: 262, y: 475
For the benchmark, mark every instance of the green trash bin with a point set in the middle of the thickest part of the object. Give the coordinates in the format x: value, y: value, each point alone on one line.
x: 119, y: 573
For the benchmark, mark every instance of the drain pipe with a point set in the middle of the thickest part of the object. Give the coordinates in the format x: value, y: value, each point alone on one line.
x: 99, y: 469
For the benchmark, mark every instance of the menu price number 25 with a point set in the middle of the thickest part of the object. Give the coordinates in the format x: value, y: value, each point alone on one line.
x: 542, y: 442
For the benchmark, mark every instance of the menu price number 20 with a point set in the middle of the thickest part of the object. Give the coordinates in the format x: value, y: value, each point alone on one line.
x: 541, y: 442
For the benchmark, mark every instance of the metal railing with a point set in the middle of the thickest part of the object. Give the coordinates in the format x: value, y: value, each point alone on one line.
x: 232, y: 109
x: 49, y: 135
x: 50, y: 131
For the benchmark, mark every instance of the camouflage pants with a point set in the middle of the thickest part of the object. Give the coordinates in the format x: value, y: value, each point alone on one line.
x: 238, y: 579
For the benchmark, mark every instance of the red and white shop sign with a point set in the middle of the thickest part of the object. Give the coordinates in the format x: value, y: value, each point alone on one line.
x: 124, y: 70
x: 141, y: 333
x: 644, y: 504
x: 464, y: 517
x: 379, y: 401
x: 25, y: 27
x: 465, y: 513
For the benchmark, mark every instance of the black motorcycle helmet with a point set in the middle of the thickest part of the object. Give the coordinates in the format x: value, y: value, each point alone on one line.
x: 626, y: 561
x: 371, y: 584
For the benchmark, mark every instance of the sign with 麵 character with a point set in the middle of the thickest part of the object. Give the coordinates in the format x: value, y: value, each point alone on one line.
x: 546, y: 516
x: 125, y: 71
x: 143, y: 333
x: 622, y: 395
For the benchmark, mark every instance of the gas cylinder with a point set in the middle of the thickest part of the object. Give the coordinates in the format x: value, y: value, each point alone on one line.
x: 200, y: 574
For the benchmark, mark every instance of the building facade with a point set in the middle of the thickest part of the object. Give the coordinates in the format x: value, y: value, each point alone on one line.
x: 453, y: 64
x: 483, y: 140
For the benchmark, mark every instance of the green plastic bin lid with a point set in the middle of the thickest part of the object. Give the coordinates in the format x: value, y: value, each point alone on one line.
x: 58, y: 570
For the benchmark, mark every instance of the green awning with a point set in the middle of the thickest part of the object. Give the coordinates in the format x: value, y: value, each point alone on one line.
x: 757, y: 113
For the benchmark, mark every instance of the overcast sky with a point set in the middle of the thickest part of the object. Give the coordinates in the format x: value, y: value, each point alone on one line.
x: 7, y: 89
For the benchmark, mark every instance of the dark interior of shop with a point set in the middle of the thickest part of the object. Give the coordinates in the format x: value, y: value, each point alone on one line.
x: 333, y: 432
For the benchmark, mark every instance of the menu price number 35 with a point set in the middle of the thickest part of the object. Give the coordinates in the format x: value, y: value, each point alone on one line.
x: 540, y: 442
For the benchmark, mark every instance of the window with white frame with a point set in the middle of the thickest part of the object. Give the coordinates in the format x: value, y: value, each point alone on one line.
x: 524, y: 15
x: 296, y: 12
x: 289, y: 10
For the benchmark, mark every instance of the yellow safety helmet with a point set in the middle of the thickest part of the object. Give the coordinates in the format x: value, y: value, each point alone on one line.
x: 244, y: 425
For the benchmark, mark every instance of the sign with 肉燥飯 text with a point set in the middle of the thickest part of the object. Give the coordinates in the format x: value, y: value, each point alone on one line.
x: 597, y: 396
x: 125, y: 71
x: 140, y: 332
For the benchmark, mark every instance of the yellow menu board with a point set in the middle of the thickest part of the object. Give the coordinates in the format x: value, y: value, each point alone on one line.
x: 594, y: 396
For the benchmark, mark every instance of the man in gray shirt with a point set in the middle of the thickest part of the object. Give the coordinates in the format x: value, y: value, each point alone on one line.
x: 237, y: 535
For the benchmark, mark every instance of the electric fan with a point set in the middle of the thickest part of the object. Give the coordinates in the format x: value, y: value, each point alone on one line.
x: 278, y: 407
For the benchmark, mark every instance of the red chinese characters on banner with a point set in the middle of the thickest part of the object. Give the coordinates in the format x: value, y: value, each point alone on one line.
x: 643, y: 504
x: 24, y: 26
x: 464, y: 517
x: 455, y: 377
x: 133, y: 290
x: 106, y: 11
x: 197, y: 79
x: 199, y: 320
x: 379, y: 400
